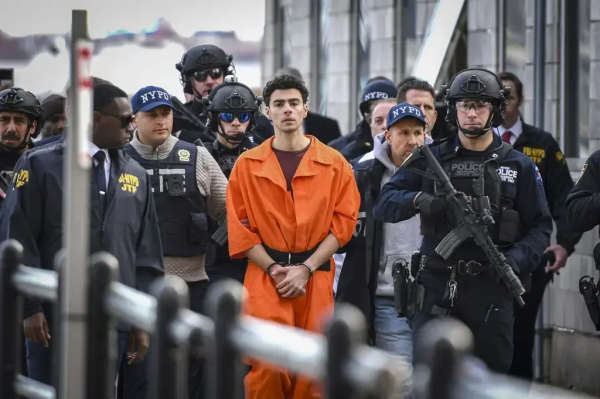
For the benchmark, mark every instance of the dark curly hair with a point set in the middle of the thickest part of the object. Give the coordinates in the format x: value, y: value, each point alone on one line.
x: 284, y: 82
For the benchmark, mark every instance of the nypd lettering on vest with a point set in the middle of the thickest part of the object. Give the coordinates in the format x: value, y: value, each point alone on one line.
x: 507, y: 174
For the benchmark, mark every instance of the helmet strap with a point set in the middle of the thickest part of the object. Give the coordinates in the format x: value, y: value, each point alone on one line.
x: 235, y: 140
x: 477, y: 132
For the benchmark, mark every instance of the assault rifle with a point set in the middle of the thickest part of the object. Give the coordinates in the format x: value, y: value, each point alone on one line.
x: 192, y: 122
x: 470, y: 224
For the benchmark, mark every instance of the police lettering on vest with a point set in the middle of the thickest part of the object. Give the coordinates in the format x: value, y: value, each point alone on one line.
x: 180, y: 208
x: 507, y: 174
x: 477, y: 178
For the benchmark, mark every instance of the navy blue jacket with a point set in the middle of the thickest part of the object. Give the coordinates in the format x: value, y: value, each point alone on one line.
x: 545, y: 152
x: 583, y: 203
x: 524, y: 188
x: 127, y: 228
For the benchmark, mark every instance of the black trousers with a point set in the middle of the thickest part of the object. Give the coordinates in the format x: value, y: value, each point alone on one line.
x: 483, y: 304
x: 524, y: 331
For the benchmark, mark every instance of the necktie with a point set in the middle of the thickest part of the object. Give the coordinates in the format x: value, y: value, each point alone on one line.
x: 100, y: 157
x: 506, y: 136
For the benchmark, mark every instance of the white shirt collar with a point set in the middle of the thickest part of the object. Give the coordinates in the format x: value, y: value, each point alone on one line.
x: 92, y: 150
x: 515, y: 129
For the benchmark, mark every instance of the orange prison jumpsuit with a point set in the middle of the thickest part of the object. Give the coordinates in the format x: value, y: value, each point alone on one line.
x: 326, y: 199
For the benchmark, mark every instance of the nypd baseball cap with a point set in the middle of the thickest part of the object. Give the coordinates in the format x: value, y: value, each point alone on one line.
x: 404, y: 110
x: 149, y: 97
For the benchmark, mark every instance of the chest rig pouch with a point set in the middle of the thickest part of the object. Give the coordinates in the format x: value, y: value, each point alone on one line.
x: 478, y: 178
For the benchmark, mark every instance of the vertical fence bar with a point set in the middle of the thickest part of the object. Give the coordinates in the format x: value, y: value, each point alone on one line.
x: 76, y: 200
x: 223, y: 304
x: 101, y: 328
x: 344, y: 332
x: 169, y: 361
x: 11, y: 254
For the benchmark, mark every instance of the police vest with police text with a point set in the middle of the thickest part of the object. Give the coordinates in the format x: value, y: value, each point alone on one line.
x: 477, y: 178
x: 180, y: 207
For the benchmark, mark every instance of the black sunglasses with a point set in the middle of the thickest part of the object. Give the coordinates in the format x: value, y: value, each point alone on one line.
x: 201, y: 76
x: 124, y: 119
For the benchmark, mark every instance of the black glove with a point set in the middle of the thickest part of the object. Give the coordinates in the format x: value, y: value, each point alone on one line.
x: 430, y: 204
x: 513, y: 265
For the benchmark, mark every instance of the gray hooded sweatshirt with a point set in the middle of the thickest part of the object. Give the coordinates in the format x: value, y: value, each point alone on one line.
x: 400, y: 239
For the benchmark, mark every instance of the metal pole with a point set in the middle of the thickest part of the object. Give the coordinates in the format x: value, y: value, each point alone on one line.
x: 569, y: 79
x: 223, y: 304
x: 539, y: 97
x: 399, y: 41
x: 101, y: 328
x: 11, y: 255
x: 345, y: 331
x: 169, y: 362
x: 501, y: 42
x: 76, y: 199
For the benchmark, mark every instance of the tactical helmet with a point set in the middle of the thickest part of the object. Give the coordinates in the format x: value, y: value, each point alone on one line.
x: 19, y: 100
x: 231, y: 97
x: 476, y: 84
x: 202, y: 57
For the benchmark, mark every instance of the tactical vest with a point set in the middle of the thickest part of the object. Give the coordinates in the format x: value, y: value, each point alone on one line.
x: 224, y: 156
x: 180, y: 208
x: 477, y: 178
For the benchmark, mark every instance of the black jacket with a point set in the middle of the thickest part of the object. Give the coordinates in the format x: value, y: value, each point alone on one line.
x: 127, y: 228
x: 356, y: 143
x: 544, y: 151
x: 523, y: 188
x: 323, y: 128
x: 364, y: 249
x: 583, y: 203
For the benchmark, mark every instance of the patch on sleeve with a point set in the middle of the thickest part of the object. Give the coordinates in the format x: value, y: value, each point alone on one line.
x: 582, y: 172
x: 560, y: 158
x: 21, y: 178
x: 538, y: 177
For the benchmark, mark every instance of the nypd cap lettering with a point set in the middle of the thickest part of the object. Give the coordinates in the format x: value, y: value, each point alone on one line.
x: 404, y: 110
x: 149, y: 97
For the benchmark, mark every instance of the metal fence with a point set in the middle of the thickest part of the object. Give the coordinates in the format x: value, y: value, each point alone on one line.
x: 340, y: 359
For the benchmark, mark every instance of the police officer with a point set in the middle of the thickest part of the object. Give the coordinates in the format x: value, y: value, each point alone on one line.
x: 360, y: 141
x: 202, y: 68
x: 545, y: 152
x: 232, y: 110
x: 122, y: 222
x: 20, y: 120
x: 583, y: 206
x: 465, y: 285
x: 188, y: 186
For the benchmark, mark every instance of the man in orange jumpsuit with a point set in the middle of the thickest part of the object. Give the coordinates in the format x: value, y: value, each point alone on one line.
x: 301, y: 202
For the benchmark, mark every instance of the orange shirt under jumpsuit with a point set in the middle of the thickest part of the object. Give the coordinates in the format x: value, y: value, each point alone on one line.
x: 325, y: 200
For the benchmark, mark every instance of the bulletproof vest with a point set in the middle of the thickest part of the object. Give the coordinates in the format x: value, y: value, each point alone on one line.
x: 180, y: 208
x: 226, y: 157
x: 477, y: 178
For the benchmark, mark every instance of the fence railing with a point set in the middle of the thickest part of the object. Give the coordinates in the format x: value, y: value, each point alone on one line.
x: 340, y: 358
